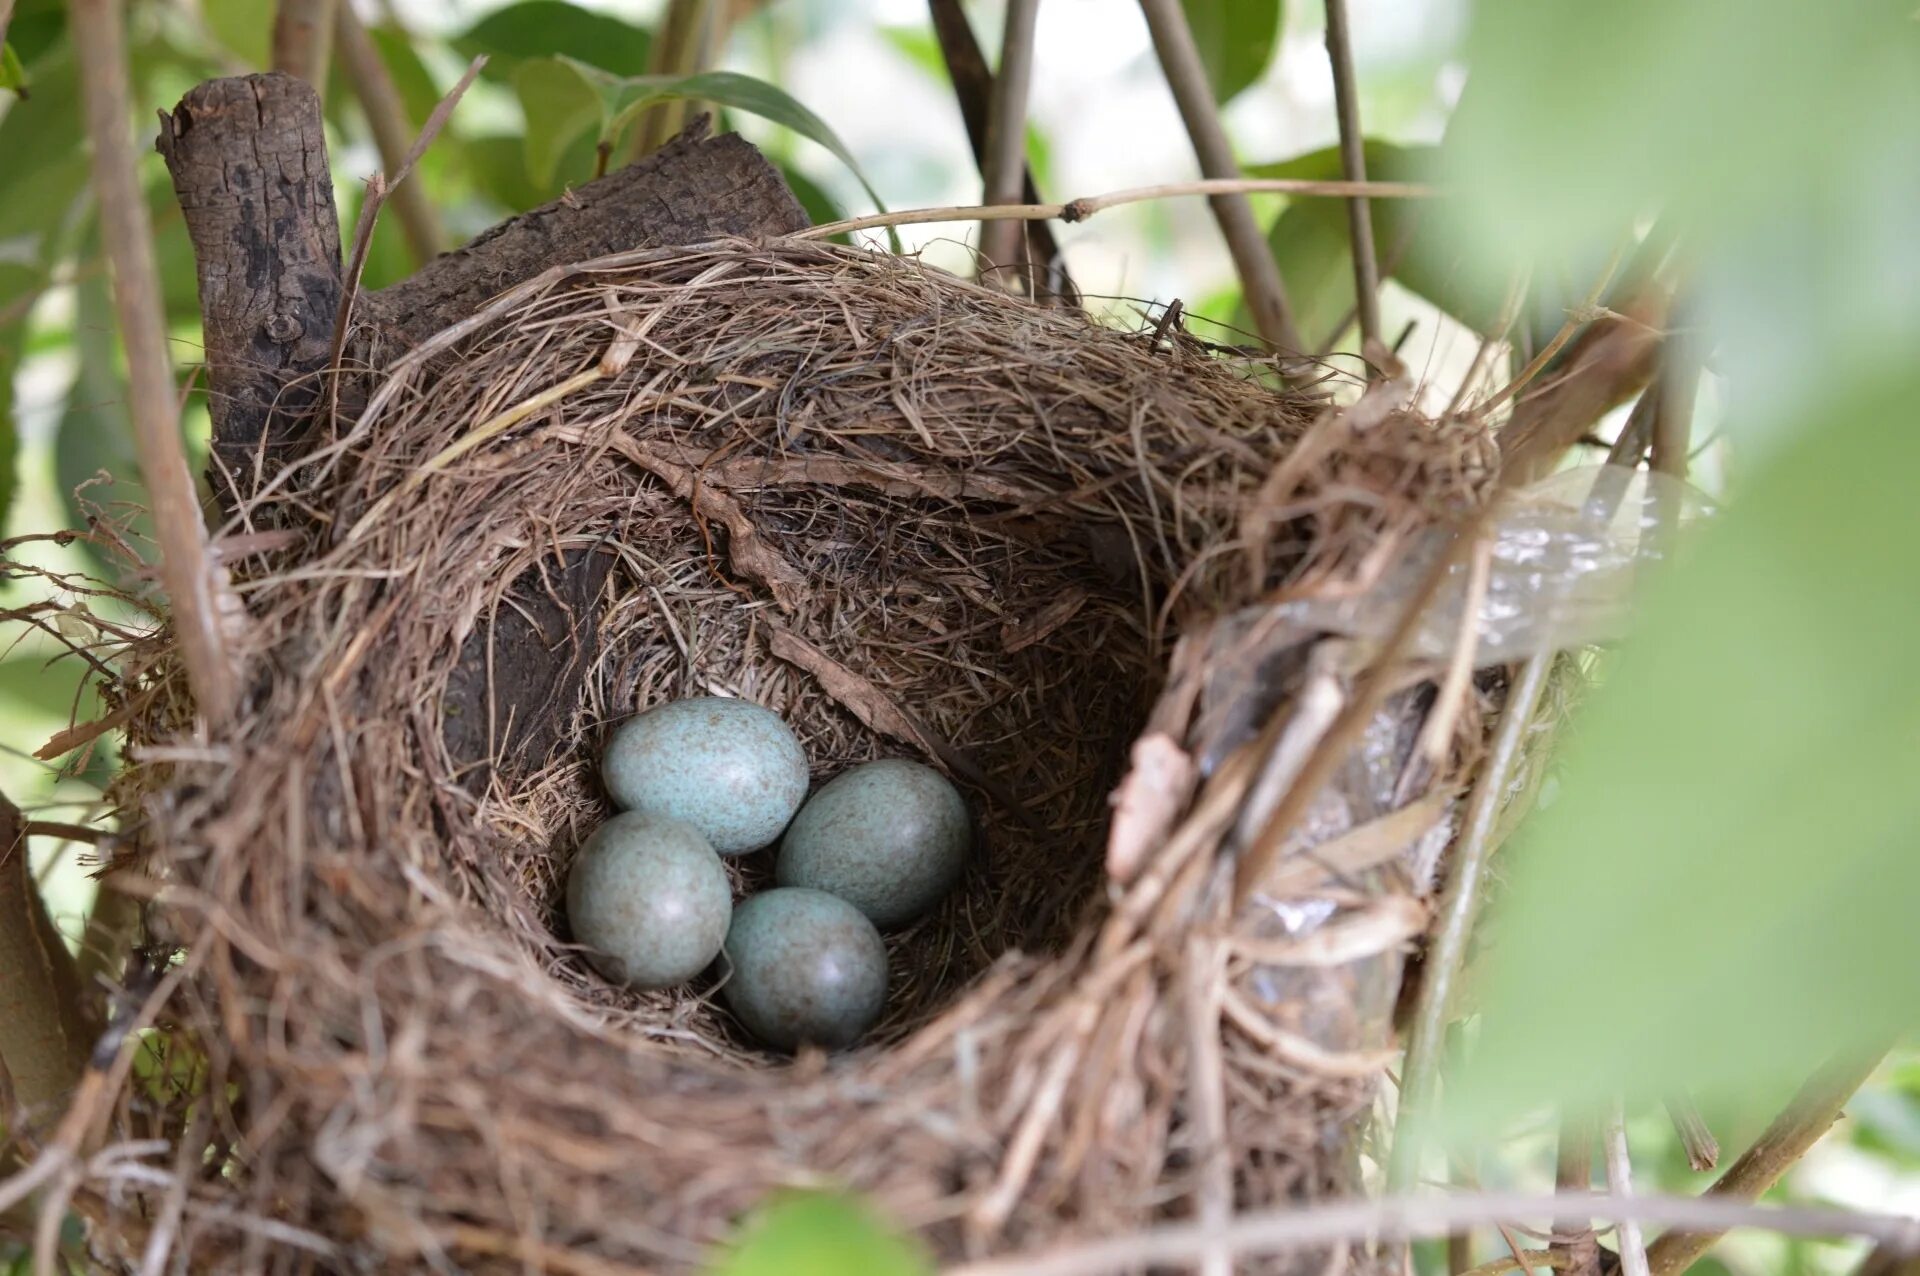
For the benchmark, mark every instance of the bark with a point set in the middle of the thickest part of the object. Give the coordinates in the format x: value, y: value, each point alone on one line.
x: 249, y: 164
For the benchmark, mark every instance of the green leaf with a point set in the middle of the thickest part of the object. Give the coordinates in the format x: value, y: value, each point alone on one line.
x: 562, y: 106
x: 12, y: 74
x: 9, y: 427
x: 545, y: 28
x: 820, y: 1235
x: 497, y: 165
x: 1722, y: 894
x: 1236, y: 39
x: 820, y: 206
x: 244, y: 27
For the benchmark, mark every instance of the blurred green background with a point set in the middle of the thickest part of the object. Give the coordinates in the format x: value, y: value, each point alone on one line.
x: 1735, y: 825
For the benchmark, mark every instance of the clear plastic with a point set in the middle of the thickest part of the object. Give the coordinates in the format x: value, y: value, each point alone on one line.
x: 1565, y: 553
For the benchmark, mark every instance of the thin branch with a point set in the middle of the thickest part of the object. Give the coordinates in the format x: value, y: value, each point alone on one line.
x: 1260, y: 280
x: 1524, y: 1262
x: 1633, y: 1249
x: 683, y: 43
x: 1574, y: 322
x: 302, y: 32
x: 1808, y: 1115
x: 1703, y: 1150
x: 6, y: 18
x: 1674, y: 391
x: 1459, y: 905
x: 387, y: 121
x: 1006, y: 158
x: 195, y: 586
x: 973, y: 88
x: 1075, y: 210
x: 1353, y: 163
x: 1573, y: 1172
x: 1418, y: 1217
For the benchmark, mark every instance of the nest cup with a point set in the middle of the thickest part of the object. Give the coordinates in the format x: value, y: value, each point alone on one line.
x: 916, y: 517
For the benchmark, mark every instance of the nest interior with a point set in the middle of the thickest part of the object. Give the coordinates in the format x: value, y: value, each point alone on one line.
x: 918, y: 518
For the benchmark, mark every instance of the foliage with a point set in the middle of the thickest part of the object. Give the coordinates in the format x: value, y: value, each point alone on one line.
x: 820, y: 1235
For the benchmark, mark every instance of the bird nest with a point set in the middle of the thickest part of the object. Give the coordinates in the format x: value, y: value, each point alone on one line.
x: 915, y: 516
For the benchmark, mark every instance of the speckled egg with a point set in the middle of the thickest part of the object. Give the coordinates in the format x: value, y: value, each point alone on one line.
x: 889, y: 837
x: 730, y: 768
x: 806, y: 967
x: 649, y: 899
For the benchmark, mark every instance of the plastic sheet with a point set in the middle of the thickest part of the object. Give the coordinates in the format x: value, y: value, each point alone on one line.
x: 1565, y: 554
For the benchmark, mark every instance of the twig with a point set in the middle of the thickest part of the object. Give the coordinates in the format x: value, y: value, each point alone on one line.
x: 6, y: 18
x: 1206, y: 979
x: 65, y: 832
x: 1703, y: 1150
x: 1266, y: 293
x: 1674, y: 391
x: 387, y: 121
x: 1574, y: 322
x: 112, y: 927
x: 1006, y: 158
x: 1573, y: 1172
x: 378, y: 187
x: 302, y: 32
x: 1523, y: 1262
x: 192, y: 582
x: 1633, y: 1249
x: 682, y: 44
x: 1353, y: 163
x: 1808, y: 1115
x: 973, y: 88
x: 1459, y: 904
x: 1417, y: 1217
x: 1075, y: 210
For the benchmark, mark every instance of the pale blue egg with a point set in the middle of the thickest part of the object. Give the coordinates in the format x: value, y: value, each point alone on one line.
x: 805, y: 968
x: 888, y: 837
x: 731, y: 768
x: 649, y: 900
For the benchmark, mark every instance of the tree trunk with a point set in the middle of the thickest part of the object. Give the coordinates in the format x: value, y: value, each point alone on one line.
x: 249, y: 163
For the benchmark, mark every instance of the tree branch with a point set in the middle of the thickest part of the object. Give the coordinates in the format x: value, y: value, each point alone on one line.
x: 1187, y: 76
x: 387, y: 121
x: 194, y: 585
x: 973, y: 89
x: 302, y: 34
x: 1808, y: 1115
x: 1005, y: 163
x: 1353, y: 165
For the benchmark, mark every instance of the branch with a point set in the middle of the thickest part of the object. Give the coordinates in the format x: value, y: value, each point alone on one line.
x: 47, y: 1037
x: 1187, y: 76
x: 1416, y: 1217
x: 387, y: 121
x: 1808, y: 1115
x: 1574, y: 1240
x: 1353, y: 163
x: 973, y: 88
x: 1459, y: 905
x: 1076, y: 210
x: 1005, y: 163
x: 302, y: 31
x: 196, y: 588
x: 1633, y: 1249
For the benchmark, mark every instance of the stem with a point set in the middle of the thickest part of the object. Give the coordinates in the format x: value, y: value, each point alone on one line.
x: 1703, y: 1150
x: 1414, y: 1217
x: 387, y: 121
x: 1573, y: 1172
x: 1075, y: 210
x: 302, y: 30
x: 197, y: 589
x: 1633, y: 1250
x: 1005, y: 163
x: 1353, y: 163
x: 1675, y: 389
x: 1808, y: 1115
x: 1186, y: 75
x: 682, y: 44
x: 47, y: 1035
x: 1459, y: 904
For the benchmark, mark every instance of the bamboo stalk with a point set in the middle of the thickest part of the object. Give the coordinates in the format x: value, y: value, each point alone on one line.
x: 1266, y: 292
x: 195, y: 587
